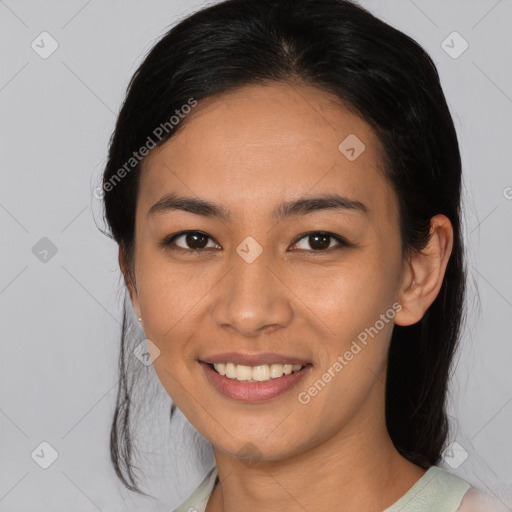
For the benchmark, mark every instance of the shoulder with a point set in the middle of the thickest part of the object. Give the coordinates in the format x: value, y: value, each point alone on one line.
x: 443, y: 491
x: 197, y: 501
x: 437, y: 490
x: 476, y: 500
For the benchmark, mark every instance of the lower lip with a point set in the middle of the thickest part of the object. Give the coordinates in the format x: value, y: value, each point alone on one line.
x: 253, y: 391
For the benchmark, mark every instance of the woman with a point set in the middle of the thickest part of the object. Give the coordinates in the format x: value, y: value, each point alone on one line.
x: 284, y: 185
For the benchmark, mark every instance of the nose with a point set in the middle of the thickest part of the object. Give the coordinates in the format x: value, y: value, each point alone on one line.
x: 252, y: 299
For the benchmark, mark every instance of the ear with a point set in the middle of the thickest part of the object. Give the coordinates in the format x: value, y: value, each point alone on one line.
x: 123, y: 264
x: 424, y: 273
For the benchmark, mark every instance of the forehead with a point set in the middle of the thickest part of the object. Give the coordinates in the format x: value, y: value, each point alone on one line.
x: 264, y: 143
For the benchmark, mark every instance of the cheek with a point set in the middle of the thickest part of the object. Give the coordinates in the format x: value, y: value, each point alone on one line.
x: 170, y: 305
x: 351, y: 295
x: 357, y: 307
x: 166, y: 298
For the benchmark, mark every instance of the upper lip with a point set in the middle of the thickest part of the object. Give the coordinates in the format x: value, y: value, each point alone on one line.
x: 254, y: 359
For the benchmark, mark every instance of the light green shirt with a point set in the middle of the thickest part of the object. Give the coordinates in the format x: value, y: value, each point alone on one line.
x: 437, y: 490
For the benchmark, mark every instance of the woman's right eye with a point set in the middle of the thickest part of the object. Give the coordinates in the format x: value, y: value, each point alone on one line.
x: 193, y: 241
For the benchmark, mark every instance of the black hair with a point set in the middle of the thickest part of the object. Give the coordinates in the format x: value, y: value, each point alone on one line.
x: 390, y: 81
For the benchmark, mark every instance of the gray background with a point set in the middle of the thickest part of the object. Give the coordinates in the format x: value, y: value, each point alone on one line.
x: 60, y: 313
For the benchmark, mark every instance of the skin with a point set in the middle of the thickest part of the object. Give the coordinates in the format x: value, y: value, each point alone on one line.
x: 249, y: 150
x: 476, y: 500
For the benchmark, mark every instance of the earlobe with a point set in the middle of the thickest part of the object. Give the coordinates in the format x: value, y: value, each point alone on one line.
x: 129, y: 282
x: 425, y: 272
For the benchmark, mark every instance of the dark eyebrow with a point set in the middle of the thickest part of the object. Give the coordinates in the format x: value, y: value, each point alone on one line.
x: 300, y: 206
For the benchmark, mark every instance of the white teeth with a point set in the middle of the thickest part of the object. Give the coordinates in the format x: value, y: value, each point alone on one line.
x: 258, y: 373
x: 261, y: 373
x: 243, y: 372
x: 230, y: 370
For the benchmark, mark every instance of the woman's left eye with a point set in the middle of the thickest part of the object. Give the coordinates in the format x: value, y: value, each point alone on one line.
x: 320, y: 240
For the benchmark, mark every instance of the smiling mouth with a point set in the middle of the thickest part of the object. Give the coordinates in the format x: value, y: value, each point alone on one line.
x: 258, y: 373
x: 255, y: 383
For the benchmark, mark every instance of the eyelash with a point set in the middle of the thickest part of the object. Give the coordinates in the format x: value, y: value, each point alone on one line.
x: 168, y: 242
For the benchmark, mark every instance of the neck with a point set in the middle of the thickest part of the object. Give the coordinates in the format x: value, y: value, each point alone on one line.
x: 356, y: 470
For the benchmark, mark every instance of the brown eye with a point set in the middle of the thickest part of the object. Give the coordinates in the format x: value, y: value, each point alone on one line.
x: 320, y: 241
x: 192, y: 241
x: 196, y: 240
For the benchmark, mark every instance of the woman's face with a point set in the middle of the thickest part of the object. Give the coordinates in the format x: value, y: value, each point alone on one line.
x: 257, y: 283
